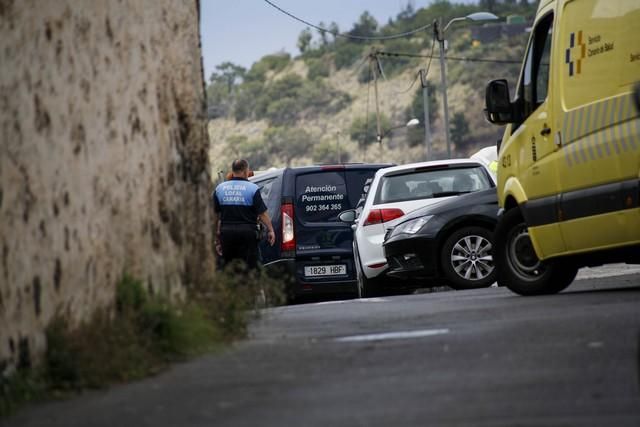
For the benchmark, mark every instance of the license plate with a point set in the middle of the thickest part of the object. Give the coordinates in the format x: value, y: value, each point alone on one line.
x: 325, y: 270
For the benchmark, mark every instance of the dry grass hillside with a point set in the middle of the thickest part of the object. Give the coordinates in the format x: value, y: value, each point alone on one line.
x: 466, y: 83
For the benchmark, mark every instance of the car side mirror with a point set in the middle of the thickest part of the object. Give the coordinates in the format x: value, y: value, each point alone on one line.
x: 499, y: 109
x: 348, y: 216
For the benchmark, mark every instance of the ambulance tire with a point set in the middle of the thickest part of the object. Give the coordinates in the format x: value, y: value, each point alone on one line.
x: 517, y: 264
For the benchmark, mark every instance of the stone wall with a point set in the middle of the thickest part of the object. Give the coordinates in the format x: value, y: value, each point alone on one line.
x: 103, y: 159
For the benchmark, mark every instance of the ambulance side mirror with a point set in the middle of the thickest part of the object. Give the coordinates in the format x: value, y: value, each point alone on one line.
x: 636, y: 96
x: 499, y: 108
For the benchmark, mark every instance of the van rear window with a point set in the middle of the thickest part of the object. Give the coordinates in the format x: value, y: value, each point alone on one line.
x: 321, y: 196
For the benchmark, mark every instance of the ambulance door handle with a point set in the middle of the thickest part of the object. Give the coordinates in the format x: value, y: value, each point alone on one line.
x: 545, y: 131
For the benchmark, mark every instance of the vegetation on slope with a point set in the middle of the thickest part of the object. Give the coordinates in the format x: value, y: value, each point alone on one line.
x: 323, y: 94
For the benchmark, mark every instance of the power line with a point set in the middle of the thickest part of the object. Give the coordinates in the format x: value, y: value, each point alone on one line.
x: 426, y: 73
x: 347, y: 35
x: 452, y: 58
x: 415, y: 79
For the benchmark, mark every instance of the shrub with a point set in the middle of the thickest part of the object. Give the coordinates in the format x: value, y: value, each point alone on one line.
x: 317, y: 68
x: 141, y: 335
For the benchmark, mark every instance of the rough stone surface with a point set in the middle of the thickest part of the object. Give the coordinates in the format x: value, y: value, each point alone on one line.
x: 103, y: 159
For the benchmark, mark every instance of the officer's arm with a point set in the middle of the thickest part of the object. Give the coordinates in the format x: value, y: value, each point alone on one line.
x: 271, y: 235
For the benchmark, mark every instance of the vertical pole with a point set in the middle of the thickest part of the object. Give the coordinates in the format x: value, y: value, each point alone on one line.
x: 427, y: 124
x: 378, y: 125
x: 339, y: 153
x: 440, y: 36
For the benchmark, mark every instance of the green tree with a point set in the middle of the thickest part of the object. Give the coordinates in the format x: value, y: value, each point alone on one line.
x: 304, y: 40
x: 366, y: 26
x: 228, y: 73
x: 287, y: 143
x: 275, y: 62
x: 346, y: 54
x: 286, y: 87
x: 407, y: 12
x: 327, y: 152
x: 364, y: 131
x: 459, y: 129
x: 283, y: 111
x: 334, y: 29
x: 245, y: 100
x: 317, y: 67
x: 286, y: 100
x: 488, y: 5
x: 323, y: 34
x: 222, y: 87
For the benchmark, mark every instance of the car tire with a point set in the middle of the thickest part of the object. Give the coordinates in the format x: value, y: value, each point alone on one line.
x: 366, y: 288
x: 517, y: 265
x: 467, y: 260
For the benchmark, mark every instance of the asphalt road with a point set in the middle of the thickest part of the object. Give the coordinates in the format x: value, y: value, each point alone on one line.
x: 470, y: 358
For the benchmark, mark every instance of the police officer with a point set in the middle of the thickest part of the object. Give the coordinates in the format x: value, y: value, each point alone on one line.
x: 239, y: 206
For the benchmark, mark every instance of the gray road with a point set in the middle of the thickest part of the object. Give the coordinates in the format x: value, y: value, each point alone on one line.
x: 475, y: 358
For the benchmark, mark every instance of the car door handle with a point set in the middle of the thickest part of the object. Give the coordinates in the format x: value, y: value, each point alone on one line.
x: 545, y: 131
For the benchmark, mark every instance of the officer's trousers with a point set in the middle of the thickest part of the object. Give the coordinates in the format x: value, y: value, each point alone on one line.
x: 240, y: 242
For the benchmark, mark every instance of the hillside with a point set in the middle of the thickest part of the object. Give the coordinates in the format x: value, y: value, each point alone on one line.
x: 313, y: 108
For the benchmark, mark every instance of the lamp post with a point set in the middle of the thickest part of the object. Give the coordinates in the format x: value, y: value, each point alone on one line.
x: 411, y: 123
x: 439, y: 35
x: 425, y: 104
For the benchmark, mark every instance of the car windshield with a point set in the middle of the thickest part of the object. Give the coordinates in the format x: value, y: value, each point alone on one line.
x: 426, y: 183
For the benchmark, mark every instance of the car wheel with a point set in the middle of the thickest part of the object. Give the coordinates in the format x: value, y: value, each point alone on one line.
x: 467, y: 260
x: 517, y: 264
x: 366, y: 288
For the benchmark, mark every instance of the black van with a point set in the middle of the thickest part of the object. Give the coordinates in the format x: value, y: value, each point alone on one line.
x: 312, y: 244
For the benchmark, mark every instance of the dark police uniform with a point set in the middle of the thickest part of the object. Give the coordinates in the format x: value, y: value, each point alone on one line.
x: 238, y: 203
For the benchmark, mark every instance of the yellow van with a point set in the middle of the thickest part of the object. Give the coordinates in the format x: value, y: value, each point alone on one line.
x: 569, y: 160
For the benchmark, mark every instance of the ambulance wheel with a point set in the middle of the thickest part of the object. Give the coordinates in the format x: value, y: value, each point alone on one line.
x: 517, y: 264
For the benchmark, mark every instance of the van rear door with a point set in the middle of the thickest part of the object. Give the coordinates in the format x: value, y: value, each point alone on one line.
x: 320, y: 196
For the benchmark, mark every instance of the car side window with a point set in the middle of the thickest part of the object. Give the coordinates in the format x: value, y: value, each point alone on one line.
x: 269, y: 196
x: 535, y: 77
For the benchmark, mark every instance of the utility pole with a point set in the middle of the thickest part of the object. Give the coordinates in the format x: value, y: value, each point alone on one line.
x: 427, y: 124
x: 372, y: 57
x: 439, y: 35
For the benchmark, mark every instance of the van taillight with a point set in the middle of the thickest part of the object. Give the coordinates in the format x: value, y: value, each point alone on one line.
x: 378, y: 216
x: 288, y: 235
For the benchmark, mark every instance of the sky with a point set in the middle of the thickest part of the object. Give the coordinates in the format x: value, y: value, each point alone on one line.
x: 243, y: 31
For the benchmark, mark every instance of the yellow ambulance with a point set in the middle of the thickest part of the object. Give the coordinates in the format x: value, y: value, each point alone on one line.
x: 569, y: 160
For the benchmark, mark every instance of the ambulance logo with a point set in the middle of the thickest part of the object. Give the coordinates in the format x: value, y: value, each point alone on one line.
x: 575, y: 53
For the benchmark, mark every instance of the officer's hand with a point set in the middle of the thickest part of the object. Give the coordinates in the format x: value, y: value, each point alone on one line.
x: 271, y: 237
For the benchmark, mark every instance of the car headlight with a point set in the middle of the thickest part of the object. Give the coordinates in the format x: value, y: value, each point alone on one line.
x: 413, y: 226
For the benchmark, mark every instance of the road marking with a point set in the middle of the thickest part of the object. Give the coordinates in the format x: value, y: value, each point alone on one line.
x: 351, y: 300
x: 393, y: 335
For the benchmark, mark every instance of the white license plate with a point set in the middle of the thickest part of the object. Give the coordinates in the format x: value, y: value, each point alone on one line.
x: 325, y: 270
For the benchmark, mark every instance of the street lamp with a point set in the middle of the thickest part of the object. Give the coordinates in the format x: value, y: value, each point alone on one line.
x: 439, y: 35
x: 411, y: 123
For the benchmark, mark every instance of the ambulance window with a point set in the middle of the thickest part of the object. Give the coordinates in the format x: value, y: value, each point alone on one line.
x: 536, y: 69
x: 542, y: 80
